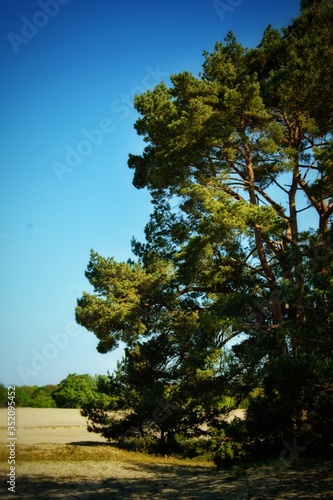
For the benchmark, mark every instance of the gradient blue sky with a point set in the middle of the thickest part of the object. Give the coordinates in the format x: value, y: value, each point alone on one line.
x: 65, y: 73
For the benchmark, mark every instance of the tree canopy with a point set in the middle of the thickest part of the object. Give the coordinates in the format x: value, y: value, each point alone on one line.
x: 232, y: 289
x: 75, y: 391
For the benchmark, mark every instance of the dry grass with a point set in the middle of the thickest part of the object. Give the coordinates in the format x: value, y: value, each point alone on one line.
x: 93, y: 451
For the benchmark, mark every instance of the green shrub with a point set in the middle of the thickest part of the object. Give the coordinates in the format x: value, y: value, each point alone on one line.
x: 190, y: 447
x: 228, y: 454
x: 146, y: 444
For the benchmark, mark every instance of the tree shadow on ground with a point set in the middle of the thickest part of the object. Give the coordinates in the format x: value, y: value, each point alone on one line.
x: 301, y: 481
x: 159, y: 488
x: 179, y: 484
x: 89, y: 443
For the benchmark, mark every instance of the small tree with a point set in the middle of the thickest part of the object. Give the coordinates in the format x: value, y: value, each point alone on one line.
x: 75, y: 391
x: 43, y: 397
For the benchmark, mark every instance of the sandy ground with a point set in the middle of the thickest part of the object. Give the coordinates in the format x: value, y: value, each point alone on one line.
x: 53, y: 425
x: 48, y: 425
x: 89, y: 475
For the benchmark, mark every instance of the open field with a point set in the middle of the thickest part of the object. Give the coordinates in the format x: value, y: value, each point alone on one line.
x: 48, y: 425
x: 57, y: 458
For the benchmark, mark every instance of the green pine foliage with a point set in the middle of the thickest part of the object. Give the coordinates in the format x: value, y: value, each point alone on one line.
x: 228, y: 301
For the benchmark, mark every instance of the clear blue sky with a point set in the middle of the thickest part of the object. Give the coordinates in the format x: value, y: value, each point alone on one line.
x: 70, y: 70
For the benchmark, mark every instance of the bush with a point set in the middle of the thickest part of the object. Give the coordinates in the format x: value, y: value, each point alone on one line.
x: 146, y: 444
x: 189, y: 447
x: 229, y: 453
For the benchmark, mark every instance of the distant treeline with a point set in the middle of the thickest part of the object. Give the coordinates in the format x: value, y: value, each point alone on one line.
x: 74, y: 391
